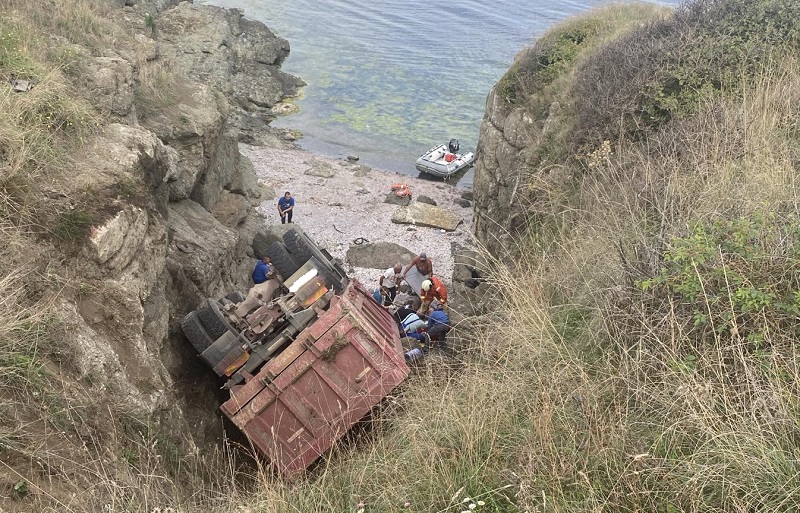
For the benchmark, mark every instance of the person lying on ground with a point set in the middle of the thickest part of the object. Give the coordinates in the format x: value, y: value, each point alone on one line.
x: 409, y: 321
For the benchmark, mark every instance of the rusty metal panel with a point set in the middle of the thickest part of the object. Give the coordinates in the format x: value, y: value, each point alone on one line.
x: 240, y: 396
x: 336, y: 371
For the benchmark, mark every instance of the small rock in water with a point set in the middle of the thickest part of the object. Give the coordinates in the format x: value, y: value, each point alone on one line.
x: 352, y: 158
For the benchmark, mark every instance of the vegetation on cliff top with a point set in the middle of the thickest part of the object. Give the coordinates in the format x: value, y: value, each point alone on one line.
x: 640, y: 357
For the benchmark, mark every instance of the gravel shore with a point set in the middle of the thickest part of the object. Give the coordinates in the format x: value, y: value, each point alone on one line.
x: 348, y: 205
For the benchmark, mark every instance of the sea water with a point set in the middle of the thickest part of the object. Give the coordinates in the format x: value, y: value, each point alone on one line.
x: 388, y: 79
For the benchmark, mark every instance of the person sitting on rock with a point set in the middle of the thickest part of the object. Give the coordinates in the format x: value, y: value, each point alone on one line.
x: 263, y: 270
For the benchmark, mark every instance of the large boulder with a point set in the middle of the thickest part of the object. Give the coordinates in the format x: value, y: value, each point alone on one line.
x: 506, y: 171
x: 110, y: 79
x: 379, y: 255
x: 121, y: 157
x: 203, y: 250
x: 193, y: 127
x: 231, y: 209
x: 422, y: 214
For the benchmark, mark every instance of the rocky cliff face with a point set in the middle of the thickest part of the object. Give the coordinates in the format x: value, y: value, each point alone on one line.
x: 177, y: 201
x: 506, y: 170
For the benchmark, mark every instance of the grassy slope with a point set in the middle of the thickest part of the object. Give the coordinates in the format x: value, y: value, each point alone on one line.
x: 645, y: 362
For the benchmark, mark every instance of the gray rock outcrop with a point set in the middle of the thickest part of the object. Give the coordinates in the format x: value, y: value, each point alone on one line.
x: 239, y: 57
x: 510, y: 176
x: 171, y: 201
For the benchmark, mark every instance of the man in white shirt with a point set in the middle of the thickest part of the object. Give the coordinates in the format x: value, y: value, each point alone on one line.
x: 389, y: 282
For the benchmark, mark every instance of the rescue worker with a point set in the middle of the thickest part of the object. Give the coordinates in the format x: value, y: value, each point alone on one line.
x: 388, y: 283
x: 435, y: 330
x: 423, y: 264
x: 432, y: 288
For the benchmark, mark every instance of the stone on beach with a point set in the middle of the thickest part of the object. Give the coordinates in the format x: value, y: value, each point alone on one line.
x: 320, y: 169
x: 422, y: 214
x: 379, y: 255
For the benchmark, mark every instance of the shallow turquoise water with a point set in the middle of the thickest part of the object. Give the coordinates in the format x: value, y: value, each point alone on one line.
x: 389, y: 79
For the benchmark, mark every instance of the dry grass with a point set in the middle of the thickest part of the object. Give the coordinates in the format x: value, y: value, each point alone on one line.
x: 157, y: 88
x: 586, y: 394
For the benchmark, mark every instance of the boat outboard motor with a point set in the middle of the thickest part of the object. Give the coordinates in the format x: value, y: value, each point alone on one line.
x: 453, y: 146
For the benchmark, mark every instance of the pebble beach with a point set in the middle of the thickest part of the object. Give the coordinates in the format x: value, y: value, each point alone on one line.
x: 340, y: 203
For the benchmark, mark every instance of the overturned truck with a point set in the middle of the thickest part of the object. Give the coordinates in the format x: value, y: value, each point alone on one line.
x: 304, y: 355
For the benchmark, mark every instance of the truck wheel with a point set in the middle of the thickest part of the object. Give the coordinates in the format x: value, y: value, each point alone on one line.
x: 297, y: 246
x: 213, y: 320
x: 195, y: 332
x: 235, y: 297
x: 282, y: 260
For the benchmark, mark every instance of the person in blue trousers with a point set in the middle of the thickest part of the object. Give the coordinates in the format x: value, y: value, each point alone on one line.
x: 286, y: 207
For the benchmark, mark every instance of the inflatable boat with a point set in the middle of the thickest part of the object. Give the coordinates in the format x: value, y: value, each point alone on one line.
x: 443, y: 161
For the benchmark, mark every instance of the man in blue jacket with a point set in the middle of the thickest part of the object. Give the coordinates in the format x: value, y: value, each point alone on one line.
x: 263, y: 270
x: 438, y: 323
x: 286, y: 207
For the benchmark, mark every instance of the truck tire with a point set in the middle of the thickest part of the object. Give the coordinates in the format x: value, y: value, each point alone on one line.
x: 213, y: 320
x: 282, y: 260
x: 195, y: 332
x: 297, y: 246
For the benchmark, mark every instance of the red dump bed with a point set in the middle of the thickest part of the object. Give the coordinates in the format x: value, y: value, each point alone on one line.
x: 327, y: 379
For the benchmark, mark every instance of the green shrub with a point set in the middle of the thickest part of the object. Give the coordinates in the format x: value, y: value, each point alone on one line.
x: 550, y: 57
x: 734, y: 278
x: 671, y: 67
